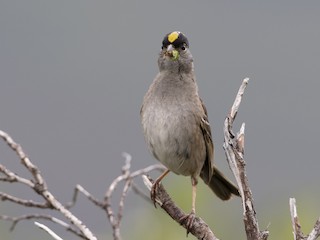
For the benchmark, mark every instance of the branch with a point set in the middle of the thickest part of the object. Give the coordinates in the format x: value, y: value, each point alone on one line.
x: 127, y: 178
x: 48, y: 230
x: 199, y: 228
x: 26, y: 203
x: 297, y: 233
x: 16, y: 220
x: 234, y: 150
x: 38, y: 185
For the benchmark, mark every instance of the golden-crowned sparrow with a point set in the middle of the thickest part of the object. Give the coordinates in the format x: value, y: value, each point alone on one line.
x: 175, y: 122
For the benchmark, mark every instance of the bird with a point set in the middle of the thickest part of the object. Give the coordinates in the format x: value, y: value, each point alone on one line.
x: 176, y: 126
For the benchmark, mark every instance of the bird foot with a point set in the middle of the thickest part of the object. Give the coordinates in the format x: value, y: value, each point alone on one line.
x: 188, y: 220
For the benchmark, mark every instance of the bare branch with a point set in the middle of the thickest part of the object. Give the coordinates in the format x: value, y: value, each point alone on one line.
x: 137, y: 173
x: 16, y: 220
x: 24, y: 159
x: 12, y: 177
x: 48, y: 230
x: 39, y: 186
x: 297, y: 232
x: 315, y: 233
x: 234, y: 149
x: 127, y: 177
x: 123, y: 196
x: 81, y: 189
x: 26, y: 203
x: 199, y: 228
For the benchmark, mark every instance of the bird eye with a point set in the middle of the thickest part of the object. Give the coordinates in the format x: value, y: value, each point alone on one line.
x: 183, y: 47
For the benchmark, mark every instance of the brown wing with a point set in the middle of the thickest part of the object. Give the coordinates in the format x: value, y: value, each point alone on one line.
x: 208, y: 168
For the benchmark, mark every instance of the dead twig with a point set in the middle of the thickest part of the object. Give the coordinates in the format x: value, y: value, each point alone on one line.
x: 297, y: 232
x: 127, y: 179
x: 16, y: 220
x: 37, y: 183
x: 234, y: 150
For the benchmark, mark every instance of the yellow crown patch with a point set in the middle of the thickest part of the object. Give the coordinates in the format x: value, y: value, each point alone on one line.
x: 173, y: 36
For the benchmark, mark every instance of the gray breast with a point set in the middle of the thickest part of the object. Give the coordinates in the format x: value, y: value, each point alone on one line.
x: 175, y: 138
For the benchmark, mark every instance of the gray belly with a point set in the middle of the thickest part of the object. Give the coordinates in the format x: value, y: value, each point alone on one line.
x: 176, y: 141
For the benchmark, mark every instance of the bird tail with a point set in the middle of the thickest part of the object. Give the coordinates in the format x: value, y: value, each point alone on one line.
x: 220, y: 185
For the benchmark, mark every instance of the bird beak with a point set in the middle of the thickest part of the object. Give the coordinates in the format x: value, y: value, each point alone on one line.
x: 172, y: 52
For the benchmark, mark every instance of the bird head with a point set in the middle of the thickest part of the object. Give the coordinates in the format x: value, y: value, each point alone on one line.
x: 175, y: 53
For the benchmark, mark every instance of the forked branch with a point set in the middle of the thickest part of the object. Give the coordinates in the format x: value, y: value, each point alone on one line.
x: 234, y: 150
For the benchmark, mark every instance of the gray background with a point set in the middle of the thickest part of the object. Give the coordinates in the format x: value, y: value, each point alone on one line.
x: 73, y: 75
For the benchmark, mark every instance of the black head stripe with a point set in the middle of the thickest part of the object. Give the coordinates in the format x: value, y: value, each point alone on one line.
x: 178, y: 42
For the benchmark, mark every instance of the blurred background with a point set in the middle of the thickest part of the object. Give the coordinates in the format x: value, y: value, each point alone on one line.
x: 73, y: 75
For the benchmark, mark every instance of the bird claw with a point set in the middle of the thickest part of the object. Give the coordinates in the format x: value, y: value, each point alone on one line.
x: 188, y: 220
